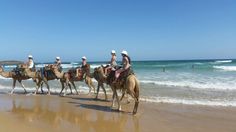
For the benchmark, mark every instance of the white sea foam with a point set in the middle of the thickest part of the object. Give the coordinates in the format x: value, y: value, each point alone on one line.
x: 224, y: 61
x: 3, y: 78
x: 95, y: 66
x: 225, y: 103
x: 10, y: 66
x: 197, y: 85
x: 226, y: 68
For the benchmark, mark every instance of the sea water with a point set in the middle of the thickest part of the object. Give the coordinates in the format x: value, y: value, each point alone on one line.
x: 194, y: 82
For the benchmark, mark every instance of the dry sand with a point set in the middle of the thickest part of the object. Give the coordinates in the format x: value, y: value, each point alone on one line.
x: 42, y: 113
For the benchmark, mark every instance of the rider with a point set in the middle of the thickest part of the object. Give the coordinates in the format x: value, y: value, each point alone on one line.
x: 126, y: 64
x: 84, y: 67
x: 30, y: 63
x: 112, y: 63
x: 58, y: 63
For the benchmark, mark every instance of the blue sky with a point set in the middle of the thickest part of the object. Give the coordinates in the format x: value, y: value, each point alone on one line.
x: 147, y: 29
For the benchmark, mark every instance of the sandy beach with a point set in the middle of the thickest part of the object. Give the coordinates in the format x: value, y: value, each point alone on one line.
x: 41, y: 113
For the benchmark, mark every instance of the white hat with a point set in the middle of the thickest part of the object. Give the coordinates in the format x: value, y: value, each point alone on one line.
x: 124, y: 53
x: 113, y: 51
x: 58, y: 58
x: 30, y: 56
x: 84, y: 58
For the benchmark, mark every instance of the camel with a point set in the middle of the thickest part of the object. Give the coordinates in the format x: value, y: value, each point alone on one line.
x: 66, y: 77
x: 131, y: 86
x: 39, y: 79
x: 101, y: 79
x: 15, y: 78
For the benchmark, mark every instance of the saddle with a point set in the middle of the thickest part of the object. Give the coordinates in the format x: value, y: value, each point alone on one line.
x: 72, y: 73
x: 122, y: 78
x: 46, y: 72
x: 18, y: 71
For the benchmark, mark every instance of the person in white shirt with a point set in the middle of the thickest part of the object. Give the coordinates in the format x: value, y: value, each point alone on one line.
x: 30, y: 62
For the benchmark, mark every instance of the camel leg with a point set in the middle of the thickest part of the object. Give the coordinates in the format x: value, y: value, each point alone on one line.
x: 89, y: 82
x: 104, y: 90
x: 22, y: 85
x: 37, y: 87
x: 42, y: 87
x: 136, y: 98
x: 13, y: 86
x: 66, y: 90
x: 118, y: 101
x: 73, y: 83
x: 98, y: 88
x: 113, y: 98
x: 123, y: 94
x: 70, y: 88
x: 46, y: 82
x: 133, y: 89
x: 63, y: 86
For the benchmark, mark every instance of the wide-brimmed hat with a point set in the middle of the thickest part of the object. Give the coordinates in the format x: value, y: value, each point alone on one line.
x: 124, y: 53
x: 58, y: 58
x: 84, y: 58
x: 113, y: 52
x: 30, y: 56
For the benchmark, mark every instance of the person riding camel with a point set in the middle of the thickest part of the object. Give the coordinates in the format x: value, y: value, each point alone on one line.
x: 85, y: 67
x: 30, y: 64
x: 58, y: 63
x: 112, y: 63
x: 126, y: 64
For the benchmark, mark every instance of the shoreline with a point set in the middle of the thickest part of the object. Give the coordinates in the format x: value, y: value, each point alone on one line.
x: 83, y: 113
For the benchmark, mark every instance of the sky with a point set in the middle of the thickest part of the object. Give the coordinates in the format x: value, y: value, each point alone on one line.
x: 147, y: 29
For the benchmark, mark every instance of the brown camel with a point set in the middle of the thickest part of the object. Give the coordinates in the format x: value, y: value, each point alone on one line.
x: 131, y: 86
x: 15, y: 78
x: 64, y: 79
x: 67, y: 76
x: 36, y: 75
x: 101, y: 79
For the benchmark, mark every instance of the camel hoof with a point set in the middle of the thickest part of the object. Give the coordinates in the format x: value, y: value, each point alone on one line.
x: 119, y: 108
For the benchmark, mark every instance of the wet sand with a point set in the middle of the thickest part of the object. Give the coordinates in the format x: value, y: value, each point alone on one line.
x: 42, y: 113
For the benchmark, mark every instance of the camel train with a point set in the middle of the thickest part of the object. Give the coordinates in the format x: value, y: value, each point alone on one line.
x: 127, y: 82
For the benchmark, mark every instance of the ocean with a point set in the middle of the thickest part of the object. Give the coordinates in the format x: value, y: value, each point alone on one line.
x: 192, y: 82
